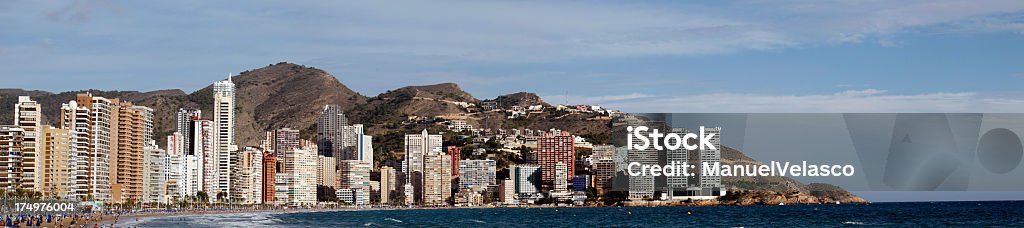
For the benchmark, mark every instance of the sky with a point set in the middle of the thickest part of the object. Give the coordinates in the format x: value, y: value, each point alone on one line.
x: 655, y: 56
x: 652, y: 56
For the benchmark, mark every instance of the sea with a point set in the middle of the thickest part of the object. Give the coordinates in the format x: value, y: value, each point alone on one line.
x: 973, y: 214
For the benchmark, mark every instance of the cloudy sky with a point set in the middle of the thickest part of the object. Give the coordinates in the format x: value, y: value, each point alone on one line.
x: 660, y: 56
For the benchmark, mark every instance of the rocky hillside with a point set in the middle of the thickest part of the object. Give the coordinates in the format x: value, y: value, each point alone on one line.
x: 518, y: 99
x: 393, y: 106
x: 279, y: 95
x: 774, y: 189
x: 290, y: 95
x: 162, y: 101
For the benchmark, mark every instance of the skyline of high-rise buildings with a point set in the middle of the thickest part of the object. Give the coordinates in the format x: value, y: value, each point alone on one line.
x: 103, y: 149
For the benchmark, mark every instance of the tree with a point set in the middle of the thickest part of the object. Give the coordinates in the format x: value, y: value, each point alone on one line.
x: 545, y: 200
x: 591, y: 194
x: 202, y: 197
x: 614, y: 197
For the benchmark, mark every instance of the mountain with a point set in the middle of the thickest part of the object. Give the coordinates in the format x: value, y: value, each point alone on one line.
x: 290, y: 95
x: 777, y: 189
x: 521, y: 99
x: 427, y: 100
x: 51, y: 102
x: 408, y: 110
x: 277, y: 96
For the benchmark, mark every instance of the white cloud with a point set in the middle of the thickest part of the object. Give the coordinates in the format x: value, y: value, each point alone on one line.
x: 852, y: 101
x: 597, y: 100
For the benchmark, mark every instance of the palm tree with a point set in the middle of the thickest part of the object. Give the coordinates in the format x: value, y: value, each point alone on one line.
x: 202, y: 196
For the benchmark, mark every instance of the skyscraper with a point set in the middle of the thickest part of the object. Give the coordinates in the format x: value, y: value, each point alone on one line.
x: 269, y: 175
x: 285, y: 139
x: 527, y: 179
x: 366, y: 149
x: 254, y: 156
x: 301, y: 169
x: 604, y: 168
x: 507, y: 191
x: 326, y: 171
x: 200, y: 165
x: 184, y: 119
x: 174, y: 167
x: 711, y: 185
x: 355, y: 145
x: 224, y: 122
x: 604, y: 171
x: 55, y: 151
x: 436, y: 179
x: 11, y: 143
x: 154, y: 188
x: 388, y: 184
x: 479, y: 173
x: 553, y: 149
x: 101, y: 110
x: 354, y: 176
x: 677, y: 184
x: 29, y: 117
x: 642, y: 187
x: 418, y: 145
x: 456, y: 154
x: 127, y: 150
x: 561, y: 181
x: 329, y: 131
x: 248, y: 184
x: 76, y: 119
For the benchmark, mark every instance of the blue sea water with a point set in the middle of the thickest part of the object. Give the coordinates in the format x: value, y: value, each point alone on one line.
x: 993, y: 213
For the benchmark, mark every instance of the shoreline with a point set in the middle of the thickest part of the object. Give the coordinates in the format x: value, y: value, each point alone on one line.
x: 142, y: 218
x: 108, y: 220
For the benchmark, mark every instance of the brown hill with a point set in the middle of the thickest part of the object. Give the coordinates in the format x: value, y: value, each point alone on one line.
x: 51, y: 102
x: 821, y: 192
x: 278, y: 96
x: 522, y: 99
x: 428, y: 100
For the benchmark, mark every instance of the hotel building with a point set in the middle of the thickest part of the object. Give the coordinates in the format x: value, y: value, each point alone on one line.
x: 553, y: 149
x: 224, y: 145
x: 56, y: 150
x: 11, y: 143
x: 478, y: 173
x: 29, y: 117
x: 437, y: 176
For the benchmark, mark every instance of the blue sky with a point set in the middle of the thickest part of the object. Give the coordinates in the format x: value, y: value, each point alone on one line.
x: 659, y: 56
